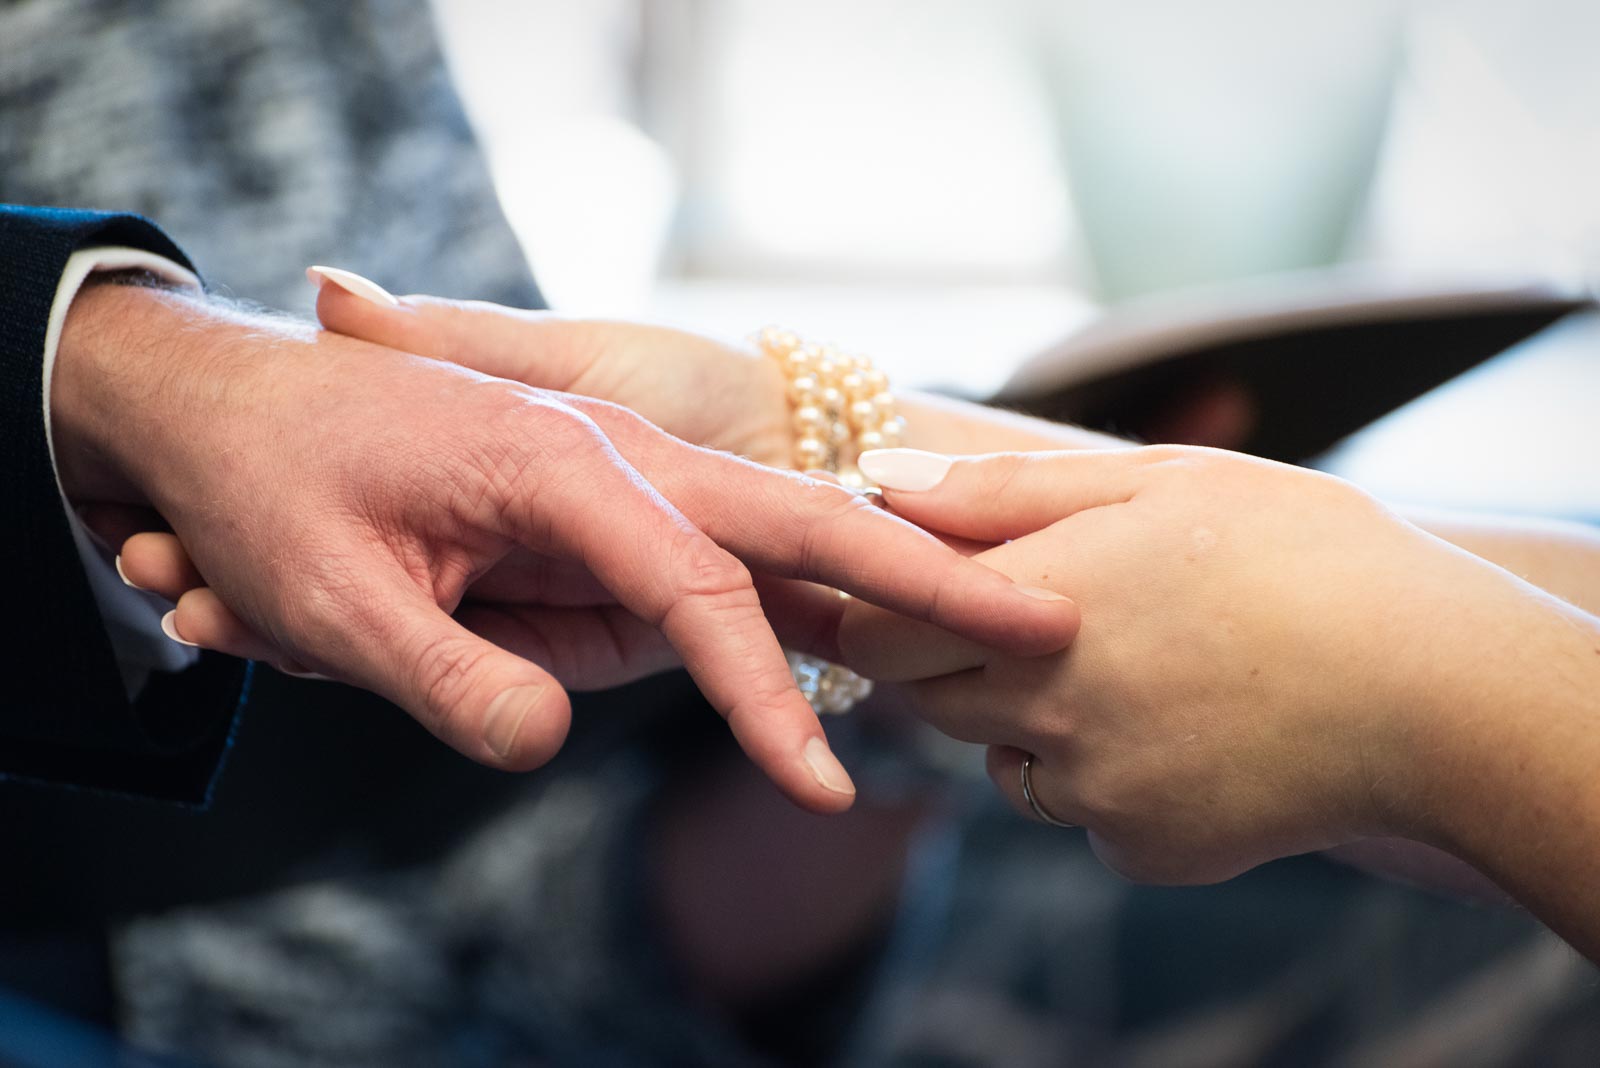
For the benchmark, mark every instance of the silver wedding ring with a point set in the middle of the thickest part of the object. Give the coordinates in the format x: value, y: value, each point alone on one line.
x: 1033, y: 802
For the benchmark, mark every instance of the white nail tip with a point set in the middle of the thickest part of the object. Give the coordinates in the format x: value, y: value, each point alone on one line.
x: 904, y: 469
x: 169, y: 627
x: 123, y: 575
x: 365, y: 288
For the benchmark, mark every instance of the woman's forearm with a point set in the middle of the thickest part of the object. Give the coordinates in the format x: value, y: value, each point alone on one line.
x: 1512, y: 777
x: 1559, y: 557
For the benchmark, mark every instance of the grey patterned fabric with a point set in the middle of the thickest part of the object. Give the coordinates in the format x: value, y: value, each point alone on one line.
x: 263, y: 137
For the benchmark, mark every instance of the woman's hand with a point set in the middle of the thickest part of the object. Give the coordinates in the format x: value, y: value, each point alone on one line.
x: 693, y: 387
x: 1270, y: 661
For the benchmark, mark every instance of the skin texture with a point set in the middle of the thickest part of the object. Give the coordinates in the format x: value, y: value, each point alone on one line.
x: 1271, y: 663
x: 1363, y: 596
x: 341, y: 498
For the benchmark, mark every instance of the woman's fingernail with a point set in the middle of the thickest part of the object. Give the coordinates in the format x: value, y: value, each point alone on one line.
x: 123, y: 575
x: 169, y: 627
x: 365, y: 288
x: 826, y: 769
x: 904, y: 469
x: 294, y: 670
x: 1042, y: 594
x: 504, y: 718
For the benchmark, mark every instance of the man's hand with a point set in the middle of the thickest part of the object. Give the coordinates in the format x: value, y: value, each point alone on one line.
x: 340, y: 497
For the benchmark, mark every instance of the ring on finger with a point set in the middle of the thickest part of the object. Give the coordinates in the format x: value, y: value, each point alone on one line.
x: 1033, y: 801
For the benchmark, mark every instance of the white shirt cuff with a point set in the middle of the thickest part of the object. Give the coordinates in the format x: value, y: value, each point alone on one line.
x: 132, y: 617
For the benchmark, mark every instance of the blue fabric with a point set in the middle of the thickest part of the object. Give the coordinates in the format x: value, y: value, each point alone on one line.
x: 32, y: 1036
x: 64, y: 715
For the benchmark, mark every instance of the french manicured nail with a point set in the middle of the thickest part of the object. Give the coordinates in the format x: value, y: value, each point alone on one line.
x: 1042, y: 594
x: 295, y: 669
x: 123, y: 575
x: 826, y: 769
x: 365, y: 288
x: 169, y: 627
x: 504, y: 718
x: 904, y: 469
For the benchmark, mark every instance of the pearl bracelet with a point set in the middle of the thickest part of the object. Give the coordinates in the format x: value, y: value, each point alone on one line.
x: 840, y: 406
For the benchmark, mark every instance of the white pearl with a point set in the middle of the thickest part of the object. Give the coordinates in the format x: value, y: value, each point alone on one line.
x: 809, y: 421
x: 810, y: 454
x: 799, y: 362
x: 803, y: 391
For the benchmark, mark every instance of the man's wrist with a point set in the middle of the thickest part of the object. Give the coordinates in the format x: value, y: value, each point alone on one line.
x: 121, y: 348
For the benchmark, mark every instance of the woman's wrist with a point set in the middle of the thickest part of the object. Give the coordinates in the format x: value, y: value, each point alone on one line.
x: 1508, y: 730
x: 769, y: 437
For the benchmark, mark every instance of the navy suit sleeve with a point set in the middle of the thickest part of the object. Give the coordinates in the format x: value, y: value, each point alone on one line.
x: 64, y: 717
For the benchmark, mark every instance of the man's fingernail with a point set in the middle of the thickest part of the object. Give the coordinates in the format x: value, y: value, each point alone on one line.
x: 826, y: 769
x: 504, y: 718
x: 904, y: 469
x: 1040, y: 593
x: 123, y: 575
x: 365, y: 288
x: 169, y: 627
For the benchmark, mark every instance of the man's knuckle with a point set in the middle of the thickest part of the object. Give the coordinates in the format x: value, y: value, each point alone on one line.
x: 700, y: 568
x: 319, y: 594
x: 446, y: 667
x: 822, y: 530
x: 700, y: 578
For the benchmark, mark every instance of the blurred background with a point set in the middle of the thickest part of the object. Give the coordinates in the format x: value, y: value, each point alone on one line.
x: 953, y: 186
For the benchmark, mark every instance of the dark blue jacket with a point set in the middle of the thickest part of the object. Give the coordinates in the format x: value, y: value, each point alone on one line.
x: 64, y: 718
